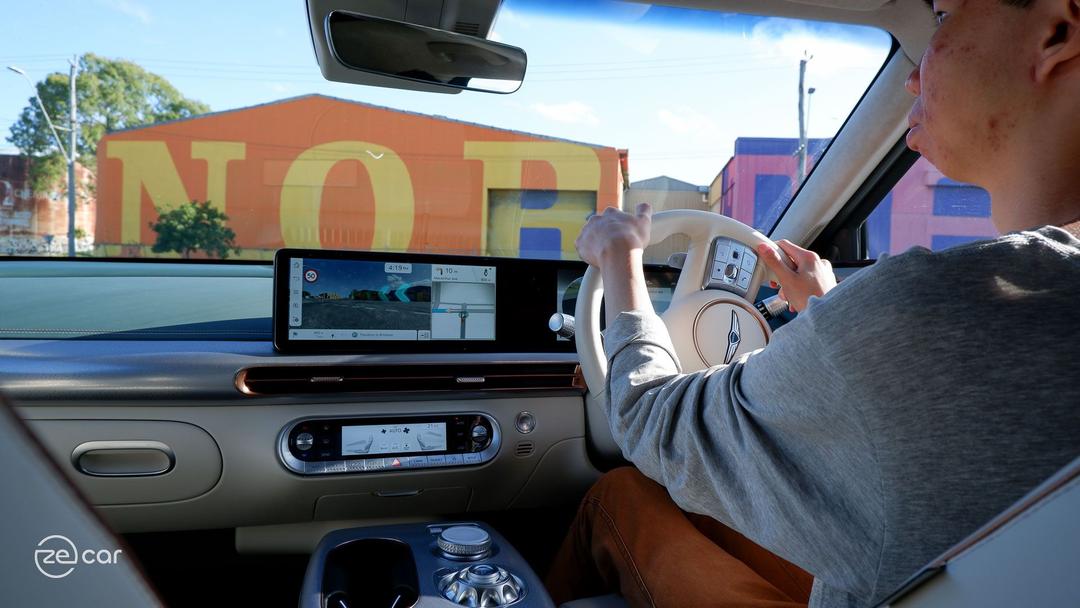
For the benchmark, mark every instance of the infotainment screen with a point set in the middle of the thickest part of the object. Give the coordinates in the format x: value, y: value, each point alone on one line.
x: 340, y: 299
x: 375, y: 303
x: 393, y: 438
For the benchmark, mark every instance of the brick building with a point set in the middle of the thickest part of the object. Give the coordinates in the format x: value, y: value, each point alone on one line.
x: 37, y: 223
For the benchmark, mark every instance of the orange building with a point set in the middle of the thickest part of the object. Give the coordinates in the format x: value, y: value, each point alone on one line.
x: 321, y: 172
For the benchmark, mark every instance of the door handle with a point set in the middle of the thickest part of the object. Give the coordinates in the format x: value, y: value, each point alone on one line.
x: 123, y: 458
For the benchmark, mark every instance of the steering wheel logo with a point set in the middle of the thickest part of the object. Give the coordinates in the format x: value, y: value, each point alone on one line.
x: 734, y: 338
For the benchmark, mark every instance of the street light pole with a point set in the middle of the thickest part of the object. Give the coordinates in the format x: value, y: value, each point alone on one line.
x: 72, y: 143
x: 41, y: 106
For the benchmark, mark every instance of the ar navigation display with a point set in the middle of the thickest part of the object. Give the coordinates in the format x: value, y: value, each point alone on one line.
x: 365, y: 300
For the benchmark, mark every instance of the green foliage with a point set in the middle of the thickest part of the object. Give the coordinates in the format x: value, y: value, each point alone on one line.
x: 110, y: 95
x: 194, y: 227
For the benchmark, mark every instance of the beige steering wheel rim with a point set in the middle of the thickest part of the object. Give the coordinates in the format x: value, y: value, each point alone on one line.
x: 702, y: 227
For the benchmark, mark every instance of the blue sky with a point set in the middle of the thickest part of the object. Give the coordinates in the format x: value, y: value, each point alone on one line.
x: 675, y: 87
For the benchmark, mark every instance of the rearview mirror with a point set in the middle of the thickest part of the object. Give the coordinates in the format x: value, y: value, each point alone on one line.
x: 397, y: 49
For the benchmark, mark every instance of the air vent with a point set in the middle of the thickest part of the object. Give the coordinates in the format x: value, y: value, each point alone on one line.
x: 524, y: 449
x: 410, y: 378
x: 470, y: 29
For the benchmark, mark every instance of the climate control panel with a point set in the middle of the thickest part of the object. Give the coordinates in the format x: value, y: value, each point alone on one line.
x: 368, y: 444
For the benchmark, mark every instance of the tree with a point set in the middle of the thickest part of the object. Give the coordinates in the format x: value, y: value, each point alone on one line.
x: 110, y: 95
x: 194, y: 227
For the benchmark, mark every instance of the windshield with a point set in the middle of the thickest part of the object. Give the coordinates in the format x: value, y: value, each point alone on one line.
x: 205, y: 130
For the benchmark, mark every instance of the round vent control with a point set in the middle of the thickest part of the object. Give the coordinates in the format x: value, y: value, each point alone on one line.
x: 468, y: 542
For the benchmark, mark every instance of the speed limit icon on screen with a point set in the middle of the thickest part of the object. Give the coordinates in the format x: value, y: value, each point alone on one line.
x: 311, y: 275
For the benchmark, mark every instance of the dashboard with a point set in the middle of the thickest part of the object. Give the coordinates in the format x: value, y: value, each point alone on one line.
x: 181, y: 356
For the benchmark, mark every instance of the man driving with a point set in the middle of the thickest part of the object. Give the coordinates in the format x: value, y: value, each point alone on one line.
x: 902, y: 408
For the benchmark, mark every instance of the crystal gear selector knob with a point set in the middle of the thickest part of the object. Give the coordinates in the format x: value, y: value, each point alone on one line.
x: 482, y: 586
x: 465, y: 542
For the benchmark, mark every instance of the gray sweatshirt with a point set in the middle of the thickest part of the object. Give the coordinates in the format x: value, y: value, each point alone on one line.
x: 894, y: 416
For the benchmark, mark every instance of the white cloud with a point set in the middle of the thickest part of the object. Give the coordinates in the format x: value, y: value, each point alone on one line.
x: 687, y: 120
x: 131, y: 9
x: 571, y: 112
x: 831, y: 50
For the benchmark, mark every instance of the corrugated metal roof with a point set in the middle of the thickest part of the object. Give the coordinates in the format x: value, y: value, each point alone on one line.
x: 356, y: 103
x: 667, y: 184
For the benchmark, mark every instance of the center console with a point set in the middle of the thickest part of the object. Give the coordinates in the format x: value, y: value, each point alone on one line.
x: 420, y: 566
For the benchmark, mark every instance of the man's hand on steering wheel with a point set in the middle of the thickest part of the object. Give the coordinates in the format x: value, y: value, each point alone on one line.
x: 611, y: 236
x: 614, y: 243
x: 812, y: 276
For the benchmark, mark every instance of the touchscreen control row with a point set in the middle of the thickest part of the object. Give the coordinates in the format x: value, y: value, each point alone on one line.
x: 373, y: 444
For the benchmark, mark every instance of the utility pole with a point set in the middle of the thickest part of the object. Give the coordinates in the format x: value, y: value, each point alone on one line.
x: 72, y: 142
x: 802, y: 119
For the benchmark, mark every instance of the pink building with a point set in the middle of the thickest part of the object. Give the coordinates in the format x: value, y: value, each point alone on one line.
x: 925, y: 208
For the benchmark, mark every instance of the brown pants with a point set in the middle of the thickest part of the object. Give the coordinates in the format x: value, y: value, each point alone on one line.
x: 630, y: 537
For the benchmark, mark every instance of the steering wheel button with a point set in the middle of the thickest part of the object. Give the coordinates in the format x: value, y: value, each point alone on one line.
x: 722, y: 251
x: 744, y: 280
x: 731, y: 271
x: 749, y: 260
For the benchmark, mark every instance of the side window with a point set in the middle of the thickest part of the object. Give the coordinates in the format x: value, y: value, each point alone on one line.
x: 927, y: 209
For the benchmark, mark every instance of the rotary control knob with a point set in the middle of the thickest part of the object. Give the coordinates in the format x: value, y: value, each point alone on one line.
x: 731, y: 271
x: 464, y: 542
x: 480, y: 435
x: 304, y: 441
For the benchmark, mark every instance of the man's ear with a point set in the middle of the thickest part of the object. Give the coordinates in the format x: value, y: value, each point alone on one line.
x: 1060, y: 40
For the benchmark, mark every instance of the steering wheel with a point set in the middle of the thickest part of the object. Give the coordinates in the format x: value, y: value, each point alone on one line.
x: 711, y: 319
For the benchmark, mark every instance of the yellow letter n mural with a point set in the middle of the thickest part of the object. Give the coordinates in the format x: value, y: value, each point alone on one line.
x: 148, y: 165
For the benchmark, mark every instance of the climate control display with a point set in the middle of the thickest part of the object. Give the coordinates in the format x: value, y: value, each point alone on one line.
x: 384, y: 443
x: 393, y: 438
